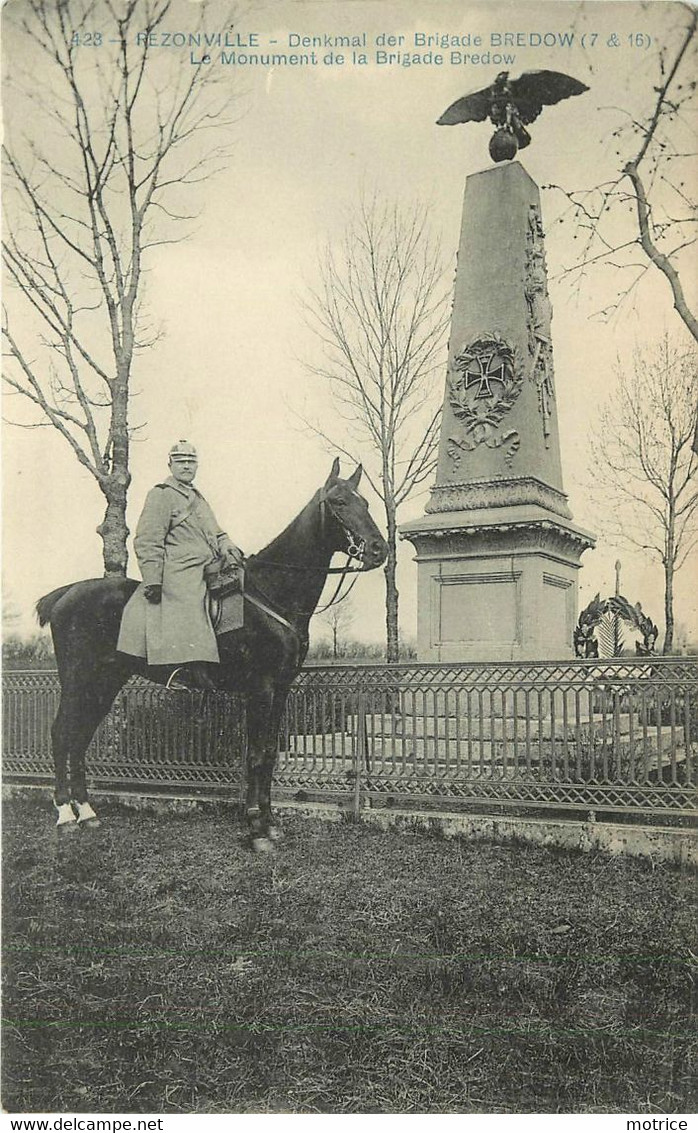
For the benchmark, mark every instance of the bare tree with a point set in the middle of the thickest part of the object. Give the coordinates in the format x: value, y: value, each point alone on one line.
x: 338, y: 618
x: 381, y: 313
x: 107, y: 144
x: 644, y: 464
x: 657, y: 169
x: 655, y: 181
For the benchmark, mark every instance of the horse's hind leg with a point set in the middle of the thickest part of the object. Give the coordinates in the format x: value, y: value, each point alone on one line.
x: 79, y: 715
x: 60, y: 749
x: 81, y: 735
x: 65, y: 821
x: 63, y: 746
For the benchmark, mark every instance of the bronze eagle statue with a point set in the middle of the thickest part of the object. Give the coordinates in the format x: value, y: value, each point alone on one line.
x: 510, y: 105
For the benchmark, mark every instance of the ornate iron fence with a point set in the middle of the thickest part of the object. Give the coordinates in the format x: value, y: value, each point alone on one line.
x: 617, y: 735
x: 152, y: 740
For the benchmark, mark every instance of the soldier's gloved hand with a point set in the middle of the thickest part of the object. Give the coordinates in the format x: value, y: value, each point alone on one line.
x: 153, y: 593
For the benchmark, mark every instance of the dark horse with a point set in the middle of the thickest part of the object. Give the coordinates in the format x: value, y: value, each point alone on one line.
x: 283, y: 584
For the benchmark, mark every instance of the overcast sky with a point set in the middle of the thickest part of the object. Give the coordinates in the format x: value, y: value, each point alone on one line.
x: 227, y: 371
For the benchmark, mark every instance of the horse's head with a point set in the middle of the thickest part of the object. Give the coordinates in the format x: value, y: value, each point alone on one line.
x: 349, y: 521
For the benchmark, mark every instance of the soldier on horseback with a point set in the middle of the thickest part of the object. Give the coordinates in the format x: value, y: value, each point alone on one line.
x: 180, y: 548
x: 260, y: 656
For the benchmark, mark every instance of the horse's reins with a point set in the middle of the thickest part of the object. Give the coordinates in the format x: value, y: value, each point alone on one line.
x: 354, y: 551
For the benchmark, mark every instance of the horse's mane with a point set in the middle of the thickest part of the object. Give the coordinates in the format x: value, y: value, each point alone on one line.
x: 271, y: 550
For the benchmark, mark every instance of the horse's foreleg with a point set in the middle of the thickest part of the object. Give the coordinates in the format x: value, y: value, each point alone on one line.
x: 273, y: 831
x: 259, y: 710
x: 270, y: 757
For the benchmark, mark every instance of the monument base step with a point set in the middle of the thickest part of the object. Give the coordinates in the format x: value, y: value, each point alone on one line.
x: 649, y: 752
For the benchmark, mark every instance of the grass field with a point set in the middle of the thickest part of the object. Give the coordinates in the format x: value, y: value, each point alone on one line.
x: 156, y: 965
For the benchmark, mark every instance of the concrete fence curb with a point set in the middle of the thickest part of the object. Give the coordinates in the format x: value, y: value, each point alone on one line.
x: 655, y: 843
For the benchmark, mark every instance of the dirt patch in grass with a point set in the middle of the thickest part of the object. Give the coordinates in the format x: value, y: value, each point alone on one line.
x: 156, y: 965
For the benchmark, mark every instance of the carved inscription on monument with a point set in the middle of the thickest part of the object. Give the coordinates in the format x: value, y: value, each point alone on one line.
x: 483, y: 384
x: 540, y: 315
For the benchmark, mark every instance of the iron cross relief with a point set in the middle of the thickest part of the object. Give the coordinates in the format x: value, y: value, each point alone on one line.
x: 482, y: 371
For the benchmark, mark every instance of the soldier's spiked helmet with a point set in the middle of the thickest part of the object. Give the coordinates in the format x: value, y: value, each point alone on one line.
x: 183, y: 450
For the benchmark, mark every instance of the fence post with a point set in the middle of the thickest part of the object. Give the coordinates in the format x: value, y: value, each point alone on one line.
x: 360, y: 749
x: 242, y: 735
x: 617, y: 738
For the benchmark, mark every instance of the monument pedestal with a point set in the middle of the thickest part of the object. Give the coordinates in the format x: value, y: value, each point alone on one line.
x: 496, y: 590
x: 497, y: 551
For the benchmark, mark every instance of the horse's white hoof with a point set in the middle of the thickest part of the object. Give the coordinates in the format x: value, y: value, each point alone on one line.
x: 86, y: 815
x: 66, y: 822
x: 262, y: 846
x: 275, y: 834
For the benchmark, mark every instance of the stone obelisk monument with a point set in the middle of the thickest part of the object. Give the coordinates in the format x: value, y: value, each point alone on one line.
x: 497, y: 551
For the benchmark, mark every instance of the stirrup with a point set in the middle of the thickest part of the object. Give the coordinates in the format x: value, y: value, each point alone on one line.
x: 201, y: 680
x: 171, y: 677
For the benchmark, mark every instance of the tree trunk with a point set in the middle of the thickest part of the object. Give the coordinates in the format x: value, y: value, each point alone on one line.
x: 669, y: 605
x: 391, y: 591
x: 669, y: 565
x: 117, y: 478
x: 113, y: 529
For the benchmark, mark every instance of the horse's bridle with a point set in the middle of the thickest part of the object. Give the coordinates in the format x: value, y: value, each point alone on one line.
x: 353, y: 550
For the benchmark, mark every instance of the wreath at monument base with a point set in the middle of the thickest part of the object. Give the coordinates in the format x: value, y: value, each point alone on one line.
x: 603, y: 615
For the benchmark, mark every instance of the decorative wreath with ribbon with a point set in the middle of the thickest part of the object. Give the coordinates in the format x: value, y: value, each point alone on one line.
x: 602, y: 617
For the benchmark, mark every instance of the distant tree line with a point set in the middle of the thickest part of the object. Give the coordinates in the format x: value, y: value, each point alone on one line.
x: 35, y: 652
x: 352, y: 651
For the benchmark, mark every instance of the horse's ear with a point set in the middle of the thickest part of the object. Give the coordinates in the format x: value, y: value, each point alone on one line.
x: 334, y: 472
x: 353, y: 480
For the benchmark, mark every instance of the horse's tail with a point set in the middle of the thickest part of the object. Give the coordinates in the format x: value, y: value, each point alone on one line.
x: 45, y: 605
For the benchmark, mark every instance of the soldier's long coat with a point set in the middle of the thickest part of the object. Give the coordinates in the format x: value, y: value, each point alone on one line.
x: 177, y: 536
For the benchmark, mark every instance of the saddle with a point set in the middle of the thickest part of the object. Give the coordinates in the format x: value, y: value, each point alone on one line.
x: 225, y: 599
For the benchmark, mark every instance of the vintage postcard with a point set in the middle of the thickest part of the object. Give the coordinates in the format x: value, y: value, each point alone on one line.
x: 296, y: 292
